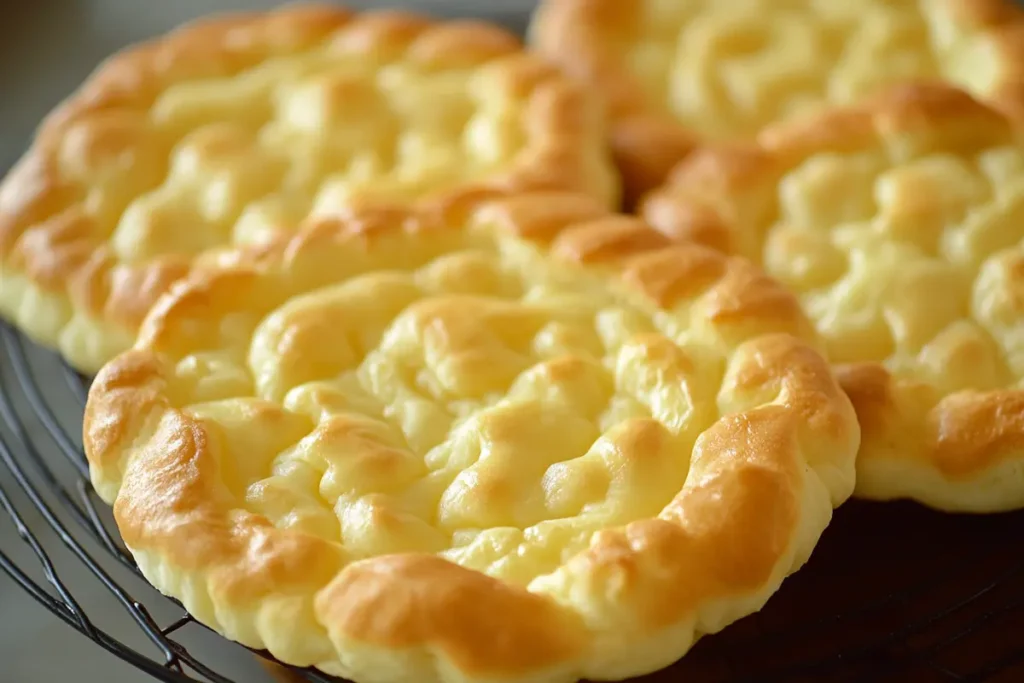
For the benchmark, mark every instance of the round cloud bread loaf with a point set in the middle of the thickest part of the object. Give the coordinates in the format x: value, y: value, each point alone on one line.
x: 240, y: 125
x: 900, y: 223
x: 527, y: 441
x: 679, y: 71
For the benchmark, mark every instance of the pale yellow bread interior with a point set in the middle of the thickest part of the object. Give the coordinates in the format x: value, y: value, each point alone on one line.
x: 676, y: 72
x: 531, y: 441
x: 238, y: 126
x: 900, y: 223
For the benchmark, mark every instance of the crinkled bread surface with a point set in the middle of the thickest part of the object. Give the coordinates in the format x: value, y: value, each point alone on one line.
x: 532, y: 441
x: 676, y: 72
x: 900, y: 224
x: 240, y: 125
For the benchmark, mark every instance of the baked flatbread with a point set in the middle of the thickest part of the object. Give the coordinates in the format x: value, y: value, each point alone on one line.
x: 238, y: 126
x: 899, y: 221
x: 680, y: 72
x: 532, y: 442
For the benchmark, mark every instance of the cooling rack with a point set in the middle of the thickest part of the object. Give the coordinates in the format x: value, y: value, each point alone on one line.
x: 893, y: 592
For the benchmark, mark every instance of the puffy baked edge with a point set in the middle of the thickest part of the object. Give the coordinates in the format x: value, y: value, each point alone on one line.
x: 966, y: 454
x: 66, y: 289
x: 648, y: 143
x: 755, y: 503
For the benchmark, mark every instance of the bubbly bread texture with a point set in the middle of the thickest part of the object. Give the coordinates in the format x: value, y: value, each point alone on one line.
x: 242, y: 125
x: 532, y: 441
x: 900, y: 224
x: 677, y: 72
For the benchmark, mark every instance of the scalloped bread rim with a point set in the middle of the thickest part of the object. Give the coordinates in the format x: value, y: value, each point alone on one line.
x: 971, y: 458
x: 648, y: 143
x: 66, y: 289
x: 761, y: 488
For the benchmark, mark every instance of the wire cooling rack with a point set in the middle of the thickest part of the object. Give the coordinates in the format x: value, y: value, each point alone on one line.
x: 893, y: 592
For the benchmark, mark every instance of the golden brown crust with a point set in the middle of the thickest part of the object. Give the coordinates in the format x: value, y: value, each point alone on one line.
x: 772, y: 448
x: 919, y: 310
x: 978, y: 45
x: 1004, y: 23
x: 646, y: 140
x: 405, y: 601
x: 74, y: 239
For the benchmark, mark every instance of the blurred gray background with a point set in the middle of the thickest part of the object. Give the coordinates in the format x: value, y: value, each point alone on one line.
x: 47, y: 47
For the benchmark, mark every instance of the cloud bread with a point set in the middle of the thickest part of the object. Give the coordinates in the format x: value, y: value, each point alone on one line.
x: 676, y: 72
x: 241, y: 125
x: 533, y: 441
x: 900, y: 223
